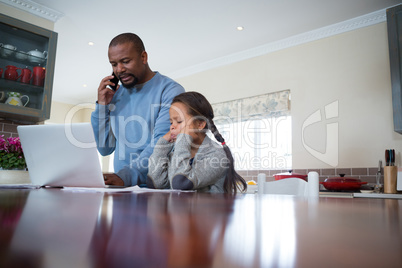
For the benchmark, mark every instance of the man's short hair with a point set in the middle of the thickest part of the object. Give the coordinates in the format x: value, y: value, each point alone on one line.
x: 128, y: 38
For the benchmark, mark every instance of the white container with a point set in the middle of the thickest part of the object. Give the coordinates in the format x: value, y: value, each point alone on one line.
x: 313, y: 184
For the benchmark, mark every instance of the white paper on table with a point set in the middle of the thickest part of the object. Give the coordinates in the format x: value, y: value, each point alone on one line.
x: 132, y: 189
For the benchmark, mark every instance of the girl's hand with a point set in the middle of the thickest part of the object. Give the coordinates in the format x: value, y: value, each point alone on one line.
x: 170, y: 137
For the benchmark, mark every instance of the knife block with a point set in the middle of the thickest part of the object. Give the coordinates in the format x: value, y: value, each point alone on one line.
x: 390, y: 173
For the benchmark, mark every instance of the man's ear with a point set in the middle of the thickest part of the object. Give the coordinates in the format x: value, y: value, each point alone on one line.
x: 144, y: 56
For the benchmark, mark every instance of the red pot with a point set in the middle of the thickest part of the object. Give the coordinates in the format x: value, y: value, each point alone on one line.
x: 290, y: 174
x: 342, y: 183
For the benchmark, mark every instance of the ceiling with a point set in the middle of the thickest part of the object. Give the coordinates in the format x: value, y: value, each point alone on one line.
x: 179, y: 34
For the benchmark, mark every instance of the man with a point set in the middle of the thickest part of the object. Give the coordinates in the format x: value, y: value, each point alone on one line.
x: 130, y: 120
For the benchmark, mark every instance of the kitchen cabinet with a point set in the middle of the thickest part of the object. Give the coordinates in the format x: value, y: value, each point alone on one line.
x: 27, y: 61
x: 394, y: 26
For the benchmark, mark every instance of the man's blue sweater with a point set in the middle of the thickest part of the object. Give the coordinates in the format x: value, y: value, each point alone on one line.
x: 132, y: 123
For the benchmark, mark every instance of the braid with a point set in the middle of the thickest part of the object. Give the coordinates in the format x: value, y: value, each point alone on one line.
x: 232, y: 177
x: 216, y: 133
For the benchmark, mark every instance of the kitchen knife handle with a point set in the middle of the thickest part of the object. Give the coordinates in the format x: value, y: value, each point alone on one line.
x: 393, y: 157
x: 386, y: 157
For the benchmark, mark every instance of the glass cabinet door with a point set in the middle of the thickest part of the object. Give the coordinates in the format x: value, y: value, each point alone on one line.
x: 27, y: 56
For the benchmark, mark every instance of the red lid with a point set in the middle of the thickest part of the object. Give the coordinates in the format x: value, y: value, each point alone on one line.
x: 342, y: 178
x: 289, y: 174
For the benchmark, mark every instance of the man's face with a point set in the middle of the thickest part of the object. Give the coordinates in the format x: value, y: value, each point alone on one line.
x: 128, y: 64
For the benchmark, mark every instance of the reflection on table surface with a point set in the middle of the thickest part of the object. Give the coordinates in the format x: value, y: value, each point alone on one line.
x: 56, y: 228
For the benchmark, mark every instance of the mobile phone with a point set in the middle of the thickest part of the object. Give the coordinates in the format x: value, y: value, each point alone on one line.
x: 114, y: 80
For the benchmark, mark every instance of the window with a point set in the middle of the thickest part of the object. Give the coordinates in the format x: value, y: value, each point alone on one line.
x: 263, y: 143
x: 257, y: 130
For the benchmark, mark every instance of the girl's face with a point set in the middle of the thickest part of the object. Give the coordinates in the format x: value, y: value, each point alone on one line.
x: 182, y: 122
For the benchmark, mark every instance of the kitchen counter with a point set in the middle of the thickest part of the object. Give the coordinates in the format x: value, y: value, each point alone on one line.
x: 336, y: 194
x: 359, y: 195
x: 252, y: 189
x: 378, y: 195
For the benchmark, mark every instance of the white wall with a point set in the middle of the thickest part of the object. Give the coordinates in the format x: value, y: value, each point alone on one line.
x: 351, y: 68
x: 63, y: 113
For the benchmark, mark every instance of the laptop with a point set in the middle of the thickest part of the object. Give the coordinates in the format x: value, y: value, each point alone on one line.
x: 61, y: 155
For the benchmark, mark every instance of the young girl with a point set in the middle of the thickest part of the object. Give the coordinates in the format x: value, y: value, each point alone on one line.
x: 186, y: 158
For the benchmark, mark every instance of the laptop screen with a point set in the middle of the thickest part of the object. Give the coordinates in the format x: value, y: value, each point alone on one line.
x: 61, y: 155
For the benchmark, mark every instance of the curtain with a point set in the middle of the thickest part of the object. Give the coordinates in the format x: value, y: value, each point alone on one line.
x: 267, y: 105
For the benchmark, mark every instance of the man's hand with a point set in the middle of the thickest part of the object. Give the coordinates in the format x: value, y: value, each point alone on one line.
x: 105, y: 94
x: 112, y: 179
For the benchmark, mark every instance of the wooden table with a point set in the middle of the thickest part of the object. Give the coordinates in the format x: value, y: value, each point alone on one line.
x: 57, y: 228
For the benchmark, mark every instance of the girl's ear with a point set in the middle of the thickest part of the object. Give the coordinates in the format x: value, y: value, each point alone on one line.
x: 201, y: 124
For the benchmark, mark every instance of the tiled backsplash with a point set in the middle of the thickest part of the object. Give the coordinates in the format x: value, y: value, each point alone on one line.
x: 8, y: 128
x: 364, y: 174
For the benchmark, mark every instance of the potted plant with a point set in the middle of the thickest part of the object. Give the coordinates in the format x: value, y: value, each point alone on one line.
x: 11, y: 155
x: 13, y: 168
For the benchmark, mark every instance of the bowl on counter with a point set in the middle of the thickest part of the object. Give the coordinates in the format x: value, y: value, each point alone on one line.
x: 366, y: 191
x: 252, y: 187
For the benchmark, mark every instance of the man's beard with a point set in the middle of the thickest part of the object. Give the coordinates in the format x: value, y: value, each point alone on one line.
x: 132, y: 84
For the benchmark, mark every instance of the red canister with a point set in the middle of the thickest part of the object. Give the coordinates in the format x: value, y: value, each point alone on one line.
x: 39, y: 76
x: 26, y: 76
